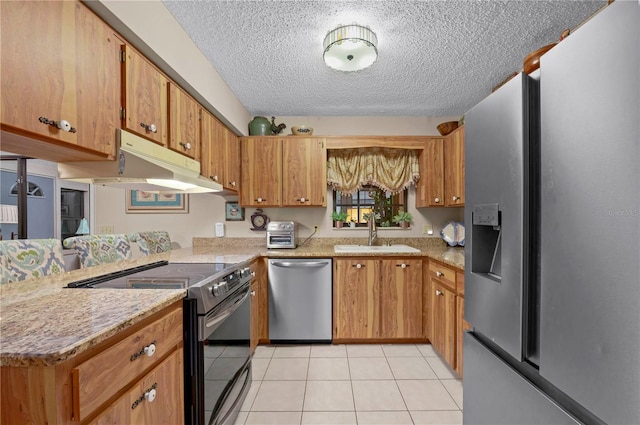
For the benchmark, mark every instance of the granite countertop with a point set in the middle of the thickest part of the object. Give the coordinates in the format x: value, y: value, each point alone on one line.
x: 43, y: 323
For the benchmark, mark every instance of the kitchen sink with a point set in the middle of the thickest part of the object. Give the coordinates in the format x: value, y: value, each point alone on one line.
x: 381, y: 248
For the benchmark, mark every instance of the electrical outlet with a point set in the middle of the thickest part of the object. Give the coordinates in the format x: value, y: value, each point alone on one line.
x: 107, y: 229
x: 315, y: 227
x: 427, y: 229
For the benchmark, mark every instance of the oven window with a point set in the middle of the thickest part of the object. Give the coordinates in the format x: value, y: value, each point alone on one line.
x: 226, y: 354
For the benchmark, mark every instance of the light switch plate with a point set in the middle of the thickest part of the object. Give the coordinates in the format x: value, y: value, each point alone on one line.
x: 219, y: 230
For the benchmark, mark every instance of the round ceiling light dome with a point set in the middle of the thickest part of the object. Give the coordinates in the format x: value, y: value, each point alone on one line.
x: 350, y: 48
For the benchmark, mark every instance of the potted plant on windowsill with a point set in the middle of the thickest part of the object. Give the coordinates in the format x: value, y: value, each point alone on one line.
x: 339, y: 218
x: 403, y: 219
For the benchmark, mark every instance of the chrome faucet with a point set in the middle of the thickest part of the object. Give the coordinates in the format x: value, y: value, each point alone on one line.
x: 373, y: 232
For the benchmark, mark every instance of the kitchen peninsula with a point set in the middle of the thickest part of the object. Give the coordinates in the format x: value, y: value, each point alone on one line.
x: 75, y: 326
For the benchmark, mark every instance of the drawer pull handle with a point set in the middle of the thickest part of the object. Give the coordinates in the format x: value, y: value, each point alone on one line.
x: 149, y: 350
x: 439, y: 274
x: 358, y: 266
x: 63, y: 125
x: 148, y: 395
x: 403, y: 265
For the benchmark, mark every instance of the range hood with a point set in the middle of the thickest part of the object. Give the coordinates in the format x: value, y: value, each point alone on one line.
x: 141, y: 165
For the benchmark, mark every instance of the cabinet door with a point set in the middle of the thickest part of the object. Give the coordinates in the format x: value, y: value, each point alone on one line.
x: 356, y: 299
x: 212, y: 157
x: 184, y: 134
x: 401, y: 298
x: 444, y: 323
x: 60, y: 62
x: 145, y: 98
x: 430, y: 187
x: 232, y: 159
x: 305, y: 172
x: 255, y: 312
x: 454, y: 168
x: 263, y: 300
x: 261, y: 172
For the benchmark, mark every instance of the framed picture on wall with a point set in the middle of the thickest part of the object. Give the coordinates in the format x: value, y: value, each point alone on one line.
x: 140, y: 202
x: 233, y: 212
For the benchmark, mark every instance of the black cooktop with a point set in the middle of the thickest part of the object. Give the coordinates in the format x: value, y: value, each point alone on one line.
x: 158, y: 275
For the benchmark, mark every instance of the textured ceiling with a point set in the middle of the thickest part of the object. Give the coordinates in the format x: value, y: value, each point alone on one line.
x: 435, y: 58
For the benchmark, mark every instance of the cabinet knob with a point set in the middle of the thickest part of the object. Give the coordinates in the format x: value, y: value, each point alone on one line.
x: 302, y: 199
x: 439, y: 292
x: 253, y: 293
x: 214, y: 178
x: 358, y: 266
x: 232, y: 184
x: 150, y: 395
x: 150, y: 128
x: 185, y: 146
x: 455, y: 198
x: 150, y: 350
x: 436, y: 200
x: 253, y: 274
x: 63, y: 125
x: 260, y: 200
x: 403, y: 265
x: 439, y: 274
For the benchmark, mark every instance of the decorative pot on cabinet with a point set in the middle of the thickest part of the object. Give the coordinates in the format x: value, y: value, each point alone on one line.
x: 259, y: 126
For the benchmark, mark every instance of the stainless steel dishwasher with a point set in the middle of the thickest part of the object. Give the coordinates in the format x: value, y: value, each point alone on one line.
x: 300, y: 299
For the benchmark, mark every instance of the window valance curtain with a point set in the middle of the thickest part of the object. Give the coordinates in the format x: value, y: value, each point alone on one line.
x: 392, y: 170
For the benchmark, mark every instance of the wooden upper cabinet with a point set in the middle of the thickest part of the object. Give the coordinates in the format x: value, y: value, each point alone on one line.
x: 261, y: 172
x: 232, y: 159
x: 305, y: 172
x: 59, y: 62
x: 145, y: 98
x: 212, y: 152
x: 401, y: 298
x: 430, y: 187
x: 184, y: 123
x: 454, y: 168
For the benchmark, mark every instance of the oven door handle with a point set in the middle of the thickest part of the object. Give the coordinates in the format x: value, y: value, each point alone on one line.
x: 301, y: 265
x: 220, y: 316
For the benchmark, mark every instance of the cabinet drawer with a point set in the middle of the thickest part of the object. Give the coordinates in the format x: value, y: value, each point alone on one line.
x: 443, y: 274
x: 99, y: 378
x: 139, y: 407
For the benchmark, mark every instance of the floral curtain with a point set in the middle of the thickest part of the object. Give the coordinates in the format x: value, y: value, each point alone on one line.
x: 392, y: 170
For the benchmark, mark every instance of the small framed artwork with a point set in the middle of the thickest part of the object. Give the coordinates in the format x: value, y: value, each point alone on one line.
x: 233, y: 212
x: 141, y: 202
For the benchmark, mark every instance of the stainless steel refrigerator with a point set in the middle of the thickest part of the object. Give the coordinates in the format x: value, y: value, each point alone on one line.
x: 552, y: 275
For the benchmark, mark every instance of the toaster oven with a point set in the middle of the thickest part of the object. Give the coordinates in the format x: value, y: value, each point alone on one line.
x: 281, y: 234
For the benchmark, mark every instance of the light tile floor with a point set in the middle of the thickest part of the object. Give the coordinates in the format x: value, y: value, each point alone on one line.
x: 351, y: 384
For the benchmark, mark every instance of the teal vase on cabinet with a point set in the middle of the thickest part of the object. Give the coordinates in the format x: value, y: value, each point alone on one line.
x: 259, y: 126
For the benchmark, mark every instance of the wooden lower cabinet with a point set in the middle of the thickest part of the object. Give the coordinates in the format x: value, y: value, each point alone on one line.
x: 153, y: 399
x: 444, y: 312
x: 377, y: 299
x: 356, y: 299
x: 101, y: 384
x: 259, y: 303
x: 444, y: 323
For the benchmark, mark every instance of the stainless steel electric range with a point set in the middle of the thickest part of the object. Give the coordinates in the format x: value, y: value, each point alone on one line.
x: 217, y: 359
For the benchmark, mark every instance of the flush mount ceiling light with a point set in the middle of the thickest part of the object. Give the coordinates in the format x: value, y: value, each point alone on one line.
x: 350, y: 48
